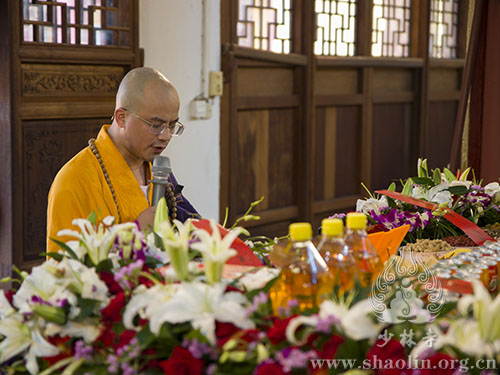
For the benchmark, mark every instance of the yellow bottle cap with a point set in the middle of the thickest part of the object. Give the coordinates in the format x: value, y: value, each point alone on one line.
x: 300, y: 231
x: 356, y: 220
x: 332, y: 227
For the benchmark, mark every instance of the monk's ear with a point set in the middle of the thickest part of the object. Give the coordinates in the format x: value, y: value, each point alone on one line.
x: 120, y: 116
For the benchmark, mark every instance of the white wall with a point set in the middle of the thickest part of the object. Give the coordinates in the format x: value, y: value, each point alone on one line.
x: 171, y: 35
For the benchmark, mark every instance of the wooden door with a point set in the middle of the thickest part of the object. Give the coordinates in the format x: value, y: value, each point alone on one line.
x: 64, y: 62
x: 309, y: 115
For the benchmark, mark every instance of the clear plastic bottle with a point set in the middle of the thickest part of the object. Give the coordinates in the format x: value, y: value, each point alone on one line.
x: 368, y: 263
x: 304, y: 273
x: 336, y: 255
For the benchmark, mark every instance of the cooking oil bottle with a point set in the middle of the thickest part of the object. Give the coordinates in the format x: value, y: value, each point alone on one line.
x: 368, y: 264
x: 304, y: 273
x: 336, y: 255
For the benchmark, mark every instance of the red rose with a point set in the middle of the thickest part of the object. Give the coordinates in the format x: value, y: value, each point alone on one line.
x: 277, y: 332
x: 182, y: 362
x: 124, y: 338
x: 231, y: 288
x: 330, y: 347
x: 107, y: 336
x: 392, y: 352
x: 109, y: 280
x: 440, y: 364
x: 10, y: 295
x: 269, y: 369
x: 224, y: 331
x: 145, y: 281
x: 61, y: 343
x: 113, y: 312
x: 250, y: 335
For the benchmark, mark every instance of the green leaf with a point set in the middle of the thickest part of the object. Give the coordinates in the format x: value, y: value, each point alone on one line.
x: 408, y: 187
x: 450, y: 176
x: 158, y: 241
x: 92, y: 217
x: 458, y: 190
x: 152, y: 262
x: 87, y: 307
x: 104, y: 265
x: 436, y: 176
x: 66, y: 248
x: 55, y: 256
x: 423, y: 181
x: 145, y: 337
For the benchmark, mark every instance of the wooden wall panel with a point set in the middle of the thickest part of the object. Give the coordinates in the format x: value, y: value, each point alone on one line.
x: 256, y: 81
x: 337, y: 81
x: 441, y: 123
x: 263, y: 160
x: 443, y: 79
x: 48, y: 146
x: 282, y: 158
x: 392, y: 80
x: 337, y: 152
x: 391, y: 147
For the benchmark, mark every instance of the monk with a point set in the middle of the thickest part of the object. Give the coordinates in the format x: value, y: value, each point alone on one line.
x: 112, y: 175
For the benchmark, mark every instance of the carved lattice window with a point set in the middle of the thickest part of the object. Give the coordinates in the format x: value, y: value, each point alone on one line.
x: 391, y: 28
x: 80, y: 22
x: 265, y: 25
x: 443, y: 29
x: 336, y: 26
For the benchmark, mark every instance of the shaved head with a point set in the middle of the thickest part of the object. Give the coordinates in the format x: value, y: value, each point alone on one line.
x: 137, y: 83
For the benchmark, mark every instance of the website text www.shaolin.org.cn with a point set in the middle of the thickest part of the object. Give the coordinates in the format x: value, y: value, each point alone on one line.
x: 462, y: 365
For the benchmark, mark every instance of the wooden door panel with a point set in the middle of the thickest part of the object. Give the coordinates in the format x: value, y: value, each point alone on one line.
x: 440, y: 132
x: 262, y: 162
x: 391, y: 149
x: 47, y: 146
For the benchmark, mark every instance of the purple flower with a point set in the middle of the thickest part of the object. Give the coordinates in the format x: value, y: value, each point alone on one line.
x: 82, y: 351
x: 294, y: 358
x: 324, y: 325
x: 196, y: 348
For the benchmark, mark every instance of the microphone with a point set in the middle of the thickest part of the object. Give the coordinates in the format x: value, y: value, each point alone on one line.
x: 161, y: 170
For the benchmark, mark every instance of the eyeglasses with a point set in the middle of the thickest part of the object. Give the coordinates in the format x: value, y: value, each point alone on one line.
x: 174, y: 127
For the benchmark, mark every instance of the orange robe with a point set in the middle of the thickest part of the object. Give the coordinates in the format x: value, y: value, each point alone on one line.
x: 80, y: 188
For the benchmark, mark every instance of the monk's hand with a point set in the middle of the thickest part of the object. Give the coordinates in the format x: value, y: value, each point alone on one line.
x: 146, y: 218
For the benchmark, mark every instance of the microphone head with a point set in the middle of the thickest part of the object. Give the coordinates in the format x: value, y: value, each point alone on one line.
x: 161, y: 167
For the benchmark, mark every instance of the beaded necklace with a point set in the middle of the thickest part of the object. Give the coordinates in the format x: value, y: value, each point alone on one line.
x: 169, y: 196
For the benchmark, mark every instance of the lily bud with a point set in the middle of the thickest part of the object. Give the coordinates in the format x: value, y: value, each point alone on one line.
x: 51, y: 313
x: 161, y: 214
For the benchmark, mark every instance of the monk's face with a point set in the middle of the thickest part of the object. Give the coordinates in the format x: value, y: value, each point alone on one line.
x: 158, y: 106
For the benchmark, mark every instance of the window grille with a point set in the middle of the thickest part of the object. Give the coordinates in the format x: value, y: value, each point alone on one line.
x: 336, y: 27
x: 80, y: 22
x: 443, y: 29
x: 265, y: 25
x: 391, y: 28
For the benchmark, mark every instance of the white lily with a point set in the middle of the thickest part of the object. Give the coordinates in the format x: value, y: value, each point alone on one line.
x: 97, y: 241
x: 176, y: 243
x: 486, y: 311
x: 88, y: 329
x: 215, y: 250
x: 368, y: 205
x: 355, y: 321
x: 202, y: 304
x: 437, y: 194
x: 145, y: 302
x: 18, y: 337
x: 258, y: 279
x: 41, y: 283
x: 493, y: 190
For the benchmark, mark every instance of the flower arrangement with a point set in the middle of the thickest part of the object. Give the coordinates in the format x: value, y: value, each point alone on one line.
x: 479, y: 204
x: 107, y: 304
